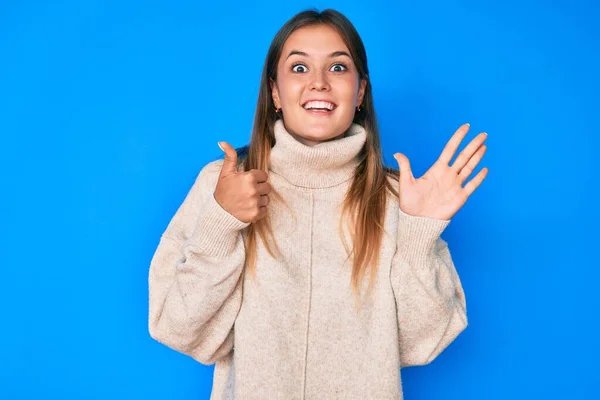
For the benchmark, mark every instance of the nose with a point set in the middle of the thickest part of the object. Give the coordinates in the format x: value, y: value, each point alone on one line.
x: 319, y: 81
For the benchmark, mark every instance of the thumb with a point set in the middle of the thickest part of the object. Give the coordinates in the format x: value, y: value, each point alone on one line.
x: 230, y: 163
x: 404, y: 167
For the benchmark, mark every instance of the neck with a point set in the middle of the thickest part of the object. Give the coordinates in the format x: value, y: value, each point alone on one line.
x: 321, y: 165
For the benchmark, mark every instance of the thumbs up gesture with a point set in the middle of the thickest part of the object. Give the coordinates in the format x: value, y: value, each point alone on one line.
x: 245, y: 195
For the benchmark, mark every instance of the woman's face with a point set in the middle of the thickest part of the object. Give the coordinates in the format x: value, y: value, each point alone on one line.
x: 317, y: 85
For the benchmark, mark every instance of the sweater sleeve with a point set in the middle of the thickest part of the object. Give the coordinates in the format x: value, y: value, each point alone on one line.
x: 195, y: 275
x: 430, y: 300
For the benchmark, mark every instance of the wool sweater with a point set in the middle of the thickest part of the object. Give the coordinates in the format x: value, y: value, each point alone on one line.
x: 293, y: 331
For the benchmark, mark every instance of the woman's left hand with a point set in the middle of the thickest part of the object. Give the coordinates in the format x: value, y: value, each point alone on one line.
x: 439, y: 193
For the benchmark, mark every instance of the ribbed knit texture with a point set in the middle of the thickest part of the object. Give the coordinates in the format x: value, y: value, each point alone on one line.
x: 324, y: 165
x: 293, y: 332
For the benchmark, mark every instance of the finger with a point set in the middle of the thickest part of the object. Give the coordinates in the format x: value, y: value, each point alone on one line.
x: 468, y: 152
x: 257, y: 175
x: 230, y: 162
x: 453, y: 144
x: 262, y: 212
x: 404, y: 166
x: 263, y: 188
x: 263, y: 201
x: 475, y: 182
x: 468, y: 169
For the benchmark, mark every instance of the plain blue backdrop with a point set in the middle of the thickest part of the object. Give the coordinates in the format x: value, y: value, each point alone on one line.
x: 108, y: 110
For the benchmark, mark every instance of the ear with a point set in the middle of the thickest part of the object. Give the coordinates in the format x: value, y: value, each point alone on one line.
x: 361, y: 91
x: 275, y: 93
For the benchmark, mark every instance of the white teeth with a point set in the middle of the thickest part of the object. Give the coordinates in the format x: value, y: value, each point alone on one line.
x: 319, y: 104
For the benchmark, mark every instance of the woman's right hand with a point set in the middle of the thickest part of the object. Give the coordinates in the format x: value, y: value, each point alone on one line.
x: 242, y: 194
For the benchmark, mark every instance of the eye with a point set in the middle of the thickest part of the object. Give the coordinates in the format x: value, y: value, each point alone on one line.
x: 343, y: 66
x: 298, y: 65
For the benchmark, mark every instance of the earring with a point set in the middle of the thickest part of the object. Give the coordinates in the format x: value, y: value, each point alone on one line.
x: 358, y: 108
x: 277, y: 110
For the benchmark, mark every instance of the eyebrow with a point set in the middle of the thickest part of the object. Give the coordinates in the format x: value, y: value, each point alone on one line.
x: 331, y: 55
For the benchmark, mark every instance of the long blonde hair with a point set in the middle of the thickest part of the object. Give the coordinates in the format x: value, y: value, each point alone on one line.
x: 365, y: 201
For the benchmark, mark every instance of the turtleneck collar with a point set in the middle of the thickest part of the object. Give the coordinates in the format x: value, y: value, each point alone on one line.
x: 323, y: 165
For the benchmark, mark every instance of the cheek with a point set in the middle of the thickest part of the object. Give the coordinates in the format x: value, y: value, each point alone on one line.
x: 348, y: 89
x: 290, y: 90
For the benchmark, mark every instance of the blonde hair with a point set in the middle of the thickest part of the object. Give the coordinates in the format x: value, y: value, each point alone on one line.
x: 365, y: 202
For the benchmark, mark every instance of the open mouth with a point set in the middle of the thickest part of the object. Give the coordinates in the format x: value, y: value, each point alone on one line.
x: 319, y: 107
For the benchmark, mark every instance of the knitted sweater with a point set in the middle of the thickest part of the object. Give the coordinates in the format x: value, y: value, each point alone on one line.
x: 294, y: 332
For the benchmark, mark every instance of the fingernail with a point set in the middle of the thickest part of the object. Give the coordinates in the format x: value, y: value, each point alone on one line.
x: 468, y: 124
x: 219, y: 143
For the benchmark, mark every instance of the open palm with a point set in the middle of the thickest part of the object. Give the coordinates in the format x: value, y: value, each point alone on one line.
x: 439, y: 193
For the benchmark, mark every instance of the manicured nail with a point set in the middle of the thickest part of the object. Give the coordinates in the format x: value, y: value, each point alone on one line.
x: 219, y: 143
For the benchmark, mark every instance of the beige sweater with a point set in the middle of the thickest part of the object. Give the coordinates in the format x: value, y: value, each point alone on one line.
x: 294, y: 333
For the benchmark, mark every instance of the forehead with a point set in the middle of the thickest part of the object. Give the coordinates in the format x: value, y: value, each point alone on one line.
x: 316, y: 40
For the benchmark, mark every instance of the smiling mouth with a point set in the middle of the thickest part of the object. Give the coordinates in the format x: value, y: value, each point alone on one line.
x: 319, y: 107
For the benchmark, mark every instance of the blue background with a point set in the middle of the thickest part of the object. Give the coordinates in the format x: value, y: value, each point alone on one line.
x: 108, y: 110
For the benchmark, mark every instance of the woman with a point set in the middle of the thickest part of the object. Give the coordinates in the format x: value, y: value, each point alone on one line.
x: 302, y: 266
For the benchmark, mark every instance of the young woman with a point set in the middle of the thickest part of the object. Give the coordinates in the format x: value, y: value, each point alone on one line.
x: 300, y: 265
